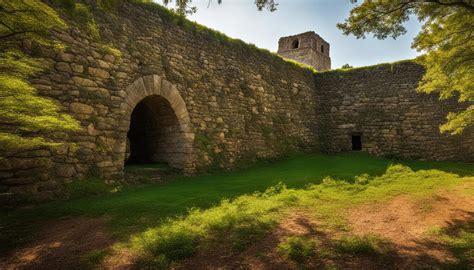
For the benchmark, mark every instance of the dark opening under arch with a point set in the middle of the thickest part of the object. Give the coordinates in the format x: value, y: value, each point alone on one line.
x: 154, y: 134
x: 296, y: 44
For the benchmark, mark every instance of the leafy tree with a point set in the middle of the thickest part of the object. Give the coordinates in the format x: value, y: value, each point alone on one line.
x: 29, y: 19
x: 446, y: 38
x: 184, y: 7
x: 346, y: 66
x: 24, y: 115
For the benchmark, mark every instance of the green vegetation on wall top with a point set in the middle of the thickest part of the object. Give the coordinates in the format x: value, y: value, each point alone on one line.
x: 390, y: 64
x: 171, y: 17
x: 80, y: 11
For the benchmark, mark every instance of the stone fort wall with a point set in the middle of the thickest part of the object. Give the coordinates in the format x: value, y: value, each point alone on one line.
x: 211, y: 102
x: 232, y: 103
x: 380, y: 104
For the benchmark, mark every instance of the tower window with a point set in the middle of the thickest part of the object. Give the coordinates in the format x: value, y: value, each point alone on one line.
x: 356, y: 142
x: 322, y: 48
x: 296, y: 44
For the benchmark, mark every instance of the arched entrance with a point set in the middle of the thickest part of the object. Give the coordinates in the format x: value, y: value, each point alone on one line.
x: 159, y: 126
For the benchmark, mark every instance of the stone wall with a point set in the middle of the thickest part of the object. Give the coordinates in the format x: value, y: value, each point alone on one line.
x: 380, y: 104
x: 212, y: 102
x: 201, y: 100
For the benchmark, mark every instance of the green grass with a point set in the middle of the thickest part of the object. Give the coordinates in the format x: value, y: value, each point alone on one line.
x: 458, y: 237
x: 150, y: 206
x: 359, y: 245
x: 297, y: 248
x: 87, y: 187
x: 93, y: 258
x: 257, y: 213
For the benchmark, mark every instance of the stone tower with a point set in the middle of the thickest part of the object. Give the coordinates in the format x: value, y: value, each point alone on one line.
x: 307, y: 48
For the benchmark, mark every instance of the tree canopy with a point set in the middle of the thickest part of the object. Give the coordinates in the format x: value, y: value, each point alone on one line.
x: 446, y: 39
x: 27, y: 19
x: 24, y: 115
x: 184, y: 7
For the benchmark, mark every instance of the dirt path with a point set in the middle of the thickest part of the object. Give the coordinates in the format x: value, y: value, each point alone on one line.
x: 60, y: 245
x: 405, y: 222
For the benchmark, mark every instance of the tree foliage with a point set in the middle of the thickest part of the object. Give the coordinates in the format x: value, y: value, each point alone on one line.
x: 446, y: 38
x: 30, y: 19
x: 24, y: 115
x: 185, y: 7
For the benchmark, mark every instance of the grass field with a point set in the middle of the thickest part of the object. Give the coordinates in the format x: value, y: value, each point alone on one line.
x: 185, y: 212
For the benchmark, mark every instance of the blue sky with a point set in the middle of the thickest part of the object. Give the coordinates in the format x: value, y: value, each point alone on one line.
x: 241, y: 19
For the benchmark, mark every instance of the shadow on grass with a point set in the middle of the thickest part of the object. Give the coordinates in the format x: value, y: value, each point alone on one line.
x: 136, y: 208
x: 450, y: 249
x: 458, y: 239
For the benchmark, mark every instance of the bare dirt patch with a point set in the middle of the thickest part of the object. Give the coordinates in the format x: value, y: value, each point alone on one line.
x: 406, y: 221
x: 60, y: 245
x: 402, y: 222
x: 119, y: 259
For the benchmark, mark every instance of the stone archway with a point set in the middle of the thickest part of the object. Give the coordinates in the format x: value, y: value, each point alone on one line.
x: 158, y: 126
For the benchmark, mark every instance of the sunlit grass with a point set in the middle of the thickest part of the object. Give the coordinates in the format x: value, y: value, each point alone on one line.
x: 258, y: 213
x: 237, y: 205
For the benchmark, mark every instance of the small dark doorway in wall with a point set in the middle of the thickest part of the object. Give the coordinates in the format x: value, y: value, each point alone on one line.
x: 296, y: 44
x: 356, y: 142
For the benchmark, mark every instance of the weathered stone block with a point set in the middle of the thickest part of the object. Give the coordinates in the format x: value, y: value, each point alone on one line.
x: 66, y: 57
x: 77, y: 68
x: 65, y: 170
x: 84, y: 81
x: 62, y: 66
x: 80, y: 108
x: 100, y: 73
